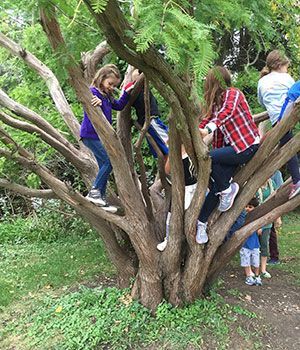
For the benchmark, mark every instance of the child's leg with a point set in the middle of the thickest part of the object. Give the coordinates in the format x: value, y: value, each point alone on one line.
x: 224, y: 162
x: 245, y: 261
x: 159, y: 132
x: 168, y: 225
x: 292, y: 164
x: 255, y: 264
x: 103, y: 161
x: 264, y: 248
x: 273, y: 244
x: 162, y: 245
x: 248, y: 271
x: 255, y: 256
x: 210, y: 203
x: 188, y: 195
x: 245, y: 255
x: 103, y: 176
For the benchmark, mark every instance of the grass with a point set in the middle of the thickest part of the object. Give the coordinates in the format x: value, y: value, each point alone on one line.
x: 98, y: 319
x: 35, y: 267
x: 45, y: 305
x: 289, y: 245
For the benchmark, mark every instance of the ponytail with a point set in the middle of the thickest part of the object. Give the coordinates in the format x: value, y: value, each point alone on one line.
x: 264, y: 71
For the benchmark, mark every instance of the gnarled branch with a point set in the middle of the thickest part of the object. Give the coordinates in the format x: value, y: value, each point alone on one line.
x: 26, y: 191
x: 50, y: 79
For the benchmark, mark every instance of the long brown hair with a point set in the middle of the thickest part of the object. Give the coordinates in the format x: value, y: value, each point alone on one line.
x: 274, y: 61
x: 217, y: 81
x: 105, y: 72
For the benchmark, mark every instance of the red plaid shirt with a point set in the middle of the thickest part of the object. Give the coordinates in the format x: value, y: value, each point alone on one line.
x: 235, y: 125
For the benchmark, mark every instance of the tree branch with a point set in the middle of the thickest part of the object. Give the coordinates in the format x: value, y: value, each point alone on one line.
x: 69, y: 152
x: 91, y: 59
x: 52, y: 83
x: 64, y: 192
x: 33, y: 117
x: 26, y: 191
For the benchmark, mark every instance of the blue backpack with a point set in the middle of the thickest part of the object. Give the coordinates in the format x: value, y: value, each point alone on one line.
x: 292, y: 95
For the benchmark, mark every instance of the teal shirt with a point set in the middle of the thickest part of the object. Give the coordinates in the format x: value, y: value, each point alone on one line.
x: 264, y: 194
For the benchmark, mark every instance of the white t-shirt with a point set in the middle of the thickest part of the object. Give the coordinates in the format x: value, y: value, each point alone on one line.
x: 272, y: 90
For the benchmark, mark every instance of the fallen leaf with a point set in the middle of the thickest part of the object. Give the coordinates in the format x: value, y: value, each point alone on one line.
x: 59, y: 309
x: 126, y: 299
x: 248, y: 297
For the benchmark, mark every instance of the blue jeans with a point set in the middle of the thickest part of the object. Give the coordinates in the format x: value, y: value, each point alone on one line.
x: 292, y: 164
x: 225, y: 161
x: 103, y: 161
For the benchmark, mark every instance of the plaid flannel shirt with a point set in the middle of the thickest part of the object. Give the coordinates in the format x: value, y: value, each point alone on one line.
x: 234, y: 122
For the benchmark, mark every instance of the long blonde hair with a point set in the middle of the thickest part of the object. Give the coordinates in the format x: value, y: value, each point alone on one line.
x: 217, y: 81
x: 274, y: 61
x: 105, y: 72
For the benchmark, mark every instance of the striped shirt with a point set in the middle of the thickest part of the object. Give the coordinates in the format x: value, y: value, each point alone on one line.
x: 233, y: 124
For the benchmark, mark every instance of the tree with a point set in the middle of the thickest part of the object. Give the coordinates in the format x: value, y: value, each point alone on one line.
x: 184, y: 270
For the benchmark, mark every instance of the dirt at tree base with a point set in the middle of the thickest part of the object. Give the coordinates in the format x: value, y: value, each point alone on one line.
x: 276, y: 303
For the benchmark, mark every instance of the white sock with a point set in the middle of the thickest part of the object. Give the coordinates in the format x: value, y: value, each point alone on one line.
x: 202, y: 223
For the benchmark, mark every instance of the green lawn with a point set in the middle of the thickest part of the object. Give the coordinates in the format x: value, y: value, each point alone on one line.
x: 40, y: 266
x: 289, y: 245
x: 44, y: 305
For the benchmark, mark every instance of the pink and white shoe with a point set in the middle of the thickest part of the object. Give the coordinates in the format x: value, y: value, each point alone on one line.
x: 295, y: 190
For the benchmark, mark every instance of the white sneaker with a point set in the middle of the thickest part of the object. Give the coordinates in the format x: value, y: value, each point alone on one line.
x: 258, y: 281
x: 265, y: 274
x: 295, y: 190
x: 95, y: 197
x: 201, y: 235
x: 162, y: 245
x: 250, y: 281
x: 227, y: 199
x: 109, y: 208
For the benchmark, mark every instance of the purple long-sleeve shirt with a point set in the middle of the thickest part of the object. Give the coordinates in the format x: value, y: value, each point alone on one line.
x: 87, y: 130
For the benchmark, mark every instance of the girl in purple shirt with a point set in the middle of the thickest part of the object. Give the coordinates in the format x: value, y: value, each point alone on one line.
x: 103, y: 85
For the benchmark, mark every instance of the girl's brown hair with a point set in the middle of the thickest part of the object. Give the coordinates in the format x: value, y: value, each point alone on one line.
x: 105, y: 72
x: 217, y: 81
x: 274, y: 61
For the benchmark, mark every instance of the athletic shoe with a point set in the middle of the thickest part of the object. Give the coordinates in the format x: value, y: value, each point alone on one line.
x: 162, y: 245
x: 273, y: 262
x: 250, y: 281
x: 258, y: 281
x: 201, y: 235
x: 295, y: 190
x: 265, y: 275
x: 227, y: 199
x: 109, y: 208
x: 95, y: 197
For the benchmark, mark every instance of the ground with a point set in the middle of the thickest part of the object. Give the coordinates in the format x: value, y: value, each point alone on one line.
x: 38, y: 298
x: 276, y: 303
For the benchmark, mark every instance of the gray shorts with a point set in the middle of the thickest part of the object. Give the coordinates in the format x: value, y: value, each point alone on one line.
x: 249, y: 257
